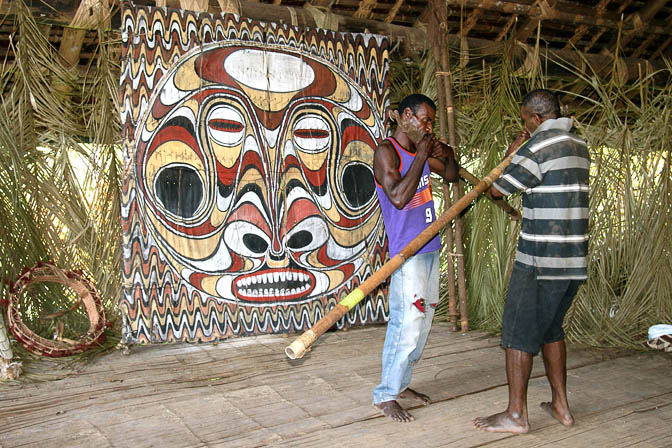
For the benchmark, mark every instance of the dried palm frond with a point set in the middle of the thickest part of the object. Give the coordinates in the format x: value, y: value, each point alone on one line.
x: 59, y: 170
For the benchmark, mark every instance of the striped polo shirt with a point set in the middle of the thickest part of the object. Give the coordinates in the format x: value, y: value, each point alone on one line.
x: 552, y: 169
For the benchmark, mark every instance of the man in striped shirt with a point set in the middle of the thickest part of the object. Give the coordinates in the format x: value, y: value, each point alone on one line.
x: 551, y: 170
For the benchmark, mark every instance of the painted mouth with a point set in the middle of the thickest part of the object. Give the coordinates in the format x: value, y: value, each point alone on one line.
x: 274, y: 285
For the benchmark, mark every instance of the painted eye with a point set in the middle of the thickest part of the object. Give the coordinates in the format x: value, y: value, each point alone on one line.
x: 312, y: 134
x: 255, y: 243
x: 226, y: 125
x: 307, y: 235
x: 299, y: 240
x: 357, y: 183
x: 246, y: 239
x: 180, y: 189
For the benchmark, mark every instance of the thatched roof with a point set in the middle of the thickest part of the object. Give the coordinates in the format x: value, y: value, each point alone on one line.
x: 639, y: 29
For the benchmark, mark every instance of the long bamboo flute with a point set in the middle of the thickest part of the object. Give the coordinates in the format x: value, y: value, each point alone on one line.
x: 298, y: 348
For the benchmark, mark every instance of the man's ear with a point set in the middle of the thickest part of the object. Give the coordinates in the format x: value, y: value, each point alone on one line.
x: 408, y: 113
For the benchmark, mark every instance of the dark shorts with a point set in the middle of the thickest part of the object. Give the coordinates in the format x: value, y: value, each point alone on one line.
x: 535, y: 309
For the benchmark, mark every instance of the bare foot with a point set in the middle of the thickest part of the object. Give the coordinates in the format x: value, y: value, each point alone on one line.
x: 502, y: 422
x: 391, y: 409
x: 563, y: 416
x: 415, y: 395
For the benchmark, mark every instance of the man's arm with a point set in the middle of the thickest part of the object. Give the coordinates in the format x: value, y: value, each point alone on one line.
x: 399, y: 189
x: 523, y: 135
x: 442, y: 161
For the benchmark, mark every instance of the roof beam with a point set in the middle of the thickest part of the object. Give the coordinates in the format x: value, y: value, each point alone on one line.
x: 326, y: 4
x: 600, y: 9
x: 415, y: 39
x: 540, y: 10
x: 577, y: 16
x: 643, y: 46
x: 639, y: 23
x: 661, y: 49
x: 89, y: 14
x: 364, y: 9
x: 472, y: 18
x: 599, y: 34
x: 502, y: 34
x: 393, y: 11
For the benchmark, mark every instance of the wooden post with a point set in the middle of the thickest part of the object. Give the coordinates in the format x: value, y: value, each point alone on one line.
x: 450, y: 244
x: 88, y: 15
x: 8, y: 370
x: 298, y: 348
x: 457, y: 193
x: 443, y: 71
x: 5, y: 348
x: 452, y: 307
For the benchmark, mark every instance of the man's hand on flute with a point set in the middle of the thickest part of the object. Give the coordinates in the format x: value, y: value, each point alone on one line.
x: 515, y: 144
x: 521, y: 137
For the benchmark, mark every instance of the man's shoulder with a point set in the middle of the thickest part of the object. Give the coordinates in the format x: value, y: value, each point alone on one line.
x: 385, y: 144
x: 386, y: 155
x: 386, y: 149
x: 557, y: 134
x: 553, y: 138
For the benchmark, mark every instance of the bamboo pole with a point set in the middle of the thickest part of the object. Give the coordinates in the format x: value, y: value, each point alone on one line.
x: 452, y: 307
x: 298, y: 348
x: 450, y: 238
x: 457, y: 193
x: 501, y: 203
x: 443, y: 77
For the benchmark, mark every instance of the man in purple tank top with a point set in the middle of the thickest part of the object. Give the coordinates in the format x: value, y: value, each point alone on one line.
x: 401, y: 169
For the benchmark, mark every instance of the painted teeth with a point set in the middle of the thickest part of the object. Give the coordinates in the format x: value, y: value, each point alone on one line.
x: 267, y: 284
x: 274, y: 277
x: 276, y: 292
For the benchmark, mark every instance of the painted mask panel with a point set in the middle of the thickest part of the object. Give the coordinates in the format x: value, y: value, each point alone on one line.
x: 250, y: 168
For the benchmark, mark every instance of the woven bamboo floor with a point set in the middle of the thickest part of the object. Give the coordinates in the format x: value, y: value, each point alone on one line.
x: 245, y: 393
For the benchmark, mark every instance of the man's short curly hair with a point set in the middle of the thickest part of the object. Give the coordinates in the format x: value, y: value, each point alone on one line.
x: 414, y: 101
x: 542, y: 102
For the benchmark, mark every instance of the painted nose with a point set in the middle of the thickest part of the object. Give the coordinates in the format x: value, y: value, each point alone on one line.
x: 276, y: 256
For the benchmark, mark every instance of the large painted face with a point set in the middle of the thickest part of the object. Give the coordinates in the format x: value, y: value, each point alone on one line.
x: 254, y: 174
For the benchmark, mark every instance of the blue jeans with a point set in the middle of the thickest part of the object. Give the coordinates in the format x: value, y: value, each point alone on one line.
x: 408, y: 328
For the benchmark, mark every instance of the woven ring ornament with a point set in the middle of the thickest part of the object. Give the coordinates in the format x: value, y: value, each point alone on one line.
x: 88, y: 297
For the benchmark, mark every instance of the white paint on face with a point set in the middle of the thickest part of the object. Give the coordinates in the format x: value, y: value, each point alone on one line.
x: 271, y: 136
x: 355, y: 102
x: 220, y: 260
x: 223, y: 287
x: 250, y: 145
x: 170, y: 94
x: 274, y: 72
x: 321, y: 284
x: 184, y: 112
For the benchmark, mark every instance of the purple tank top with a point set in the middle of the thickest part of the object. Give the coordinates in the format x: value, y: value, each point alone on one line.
x: 405, y: 224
